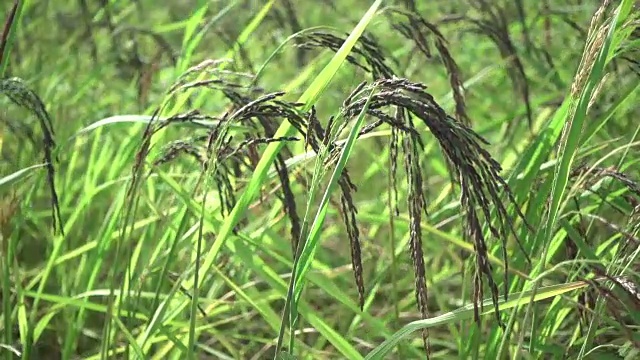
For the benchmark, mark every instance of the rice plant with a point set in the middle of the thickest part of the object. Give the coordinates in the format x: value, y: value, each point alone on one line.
x: 289, y: 180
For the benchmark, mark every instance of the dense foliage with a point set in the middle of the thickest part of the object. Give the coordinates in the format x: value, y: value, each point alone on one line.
x: 298, y: 179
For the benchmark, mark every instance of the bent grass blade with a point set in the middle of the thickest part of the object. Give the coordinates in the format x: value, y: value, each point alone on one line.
x: 466, y: 312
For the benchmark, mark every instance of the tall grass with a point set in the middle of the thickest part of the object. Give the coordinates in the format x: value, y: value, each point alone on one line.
x: 319, y: 180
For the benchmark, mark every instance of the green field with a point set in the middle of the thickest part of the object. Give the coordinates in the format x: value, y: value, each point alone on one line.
x: 294, y: 179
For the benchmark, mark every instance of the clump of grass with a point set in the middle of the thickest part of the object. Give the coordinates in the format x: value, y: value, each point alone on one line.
x: 388, y: 101
x: 496, y: 27
x: 396, y: 102
x: 233, y: 119
x: 234, y: 157
x: 587, y: 178
x: 474, y: 169
x: 20, y: 94
x: 392, y: 101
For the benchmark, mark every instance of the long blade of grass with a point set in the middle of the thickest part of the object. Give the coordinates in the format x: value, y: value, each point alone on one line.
x: 145, y: 119
x: 310, y: 244
x: 5, y: 180
x: 466, y: 312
